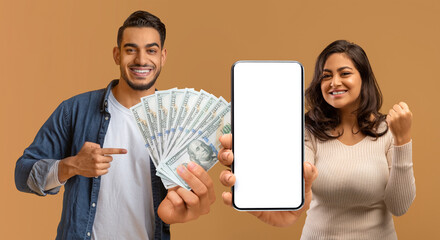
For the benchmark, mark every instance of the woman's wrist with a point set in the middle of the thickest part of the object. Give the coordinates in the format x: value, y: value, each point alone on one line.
x: 399, y: 141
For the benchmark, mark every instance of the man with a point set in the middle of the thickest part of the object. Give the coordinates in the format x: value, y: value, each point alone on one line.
x: 74, y: 148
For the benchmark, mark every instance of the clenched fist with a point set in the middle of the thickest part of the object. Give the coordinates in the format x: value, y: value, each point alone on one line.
x: 399, y: 121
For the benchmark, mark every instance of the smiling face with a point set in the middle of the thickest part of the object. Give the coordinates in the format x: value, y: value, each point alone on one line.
x: 140, y: 57
x: 341, y: 83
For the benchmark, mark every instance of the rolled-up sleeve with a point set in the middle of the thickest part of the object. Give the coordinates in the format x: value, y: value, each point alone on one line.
x: 50, y: 144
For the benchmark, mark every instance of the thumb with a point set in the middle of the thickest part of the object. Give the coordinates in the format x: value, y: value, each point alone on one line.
x: 388, y: 120
x: 310, y: 174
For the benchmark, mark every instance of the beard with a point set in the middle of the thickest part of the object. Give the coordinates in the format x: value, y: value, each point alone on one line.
x: 139, y: 87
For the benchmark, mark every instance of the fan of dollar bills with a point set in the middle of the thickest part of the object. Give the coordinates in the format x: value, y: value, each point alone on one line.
x: 179, y: 126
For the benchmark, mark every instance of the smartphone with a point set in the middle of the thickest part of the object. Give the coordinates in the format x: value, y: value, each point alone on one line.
x: 268, y: 135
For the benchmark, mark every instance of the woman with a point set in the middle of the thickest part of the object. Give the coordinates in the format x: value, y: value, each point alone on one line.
x: 363, y: 157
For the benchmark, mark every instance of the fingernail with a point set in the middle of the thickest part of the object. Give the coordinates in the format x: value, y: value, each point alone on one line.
x: 181, y: 169
x: 225, y: 155
x: 191, y: 165
x: 228, y: 177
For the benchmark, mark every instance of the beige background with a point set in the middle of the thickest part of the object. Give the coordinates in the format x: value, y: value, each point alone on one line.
x: 52, y: 50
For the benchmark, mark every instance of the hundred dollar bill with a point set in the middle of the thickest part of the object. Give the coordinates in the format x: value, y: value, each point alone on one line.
x: 196, y: 119
x: 150, y: 108
x: 163, y: 102
x: 140, y: 118
x: 189, y: 100
x: 202, y: 150
x: 141, y: 121
x: 167, y: 183
x: 205, y: 118
x: 176, y: 100
x: 202, y: 98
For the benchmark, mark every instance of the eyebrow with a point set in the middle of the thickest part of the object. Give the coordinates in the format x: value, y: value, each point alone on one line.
x: 339, y: 69
x: 135, y: 45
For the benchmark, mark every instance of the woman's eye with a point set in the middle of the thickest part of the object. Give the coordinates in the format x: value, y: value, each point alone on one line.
x: 346, y: 73
x: 326, y: 76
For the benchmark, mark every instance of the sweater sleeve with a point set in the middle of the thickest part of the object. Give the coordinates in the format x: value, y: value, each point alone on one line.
x: 401, y: 187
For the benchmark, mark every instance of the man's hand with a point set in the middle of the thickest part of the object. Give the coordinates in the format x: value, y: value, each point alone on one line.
x: 399, y: 121
x: 275, y: 218
x: 181, y: 205
x: 91, y: 161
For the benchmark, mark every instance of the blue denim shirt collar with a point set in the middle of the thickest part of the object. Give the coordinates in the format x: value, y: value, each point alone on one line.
x: 104, y: 102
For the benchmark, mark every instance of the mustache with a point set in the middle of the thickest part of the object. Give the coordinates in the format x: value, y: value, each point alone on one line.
x: 138, y: 65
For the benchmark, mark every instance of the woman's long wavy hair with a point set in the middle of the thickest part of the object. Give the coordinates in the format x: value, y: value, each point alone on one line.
x: 321, y: 117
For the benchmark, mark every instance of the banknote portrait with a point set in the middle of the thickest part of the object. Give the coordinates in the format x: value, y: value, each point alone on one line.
x: 201, y: 153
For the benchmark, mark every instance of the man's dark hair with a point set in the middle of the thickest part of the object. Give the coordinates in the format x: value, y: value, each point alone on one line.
x: 143, y: 19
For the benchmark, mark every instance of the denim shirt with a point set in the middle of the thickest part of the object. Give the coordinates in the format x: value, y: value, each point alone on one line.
x: 82, y: 118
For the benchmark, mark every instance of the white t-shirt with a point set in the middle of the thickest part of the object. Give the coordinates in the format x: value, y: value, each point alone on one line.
x: 125, y: 203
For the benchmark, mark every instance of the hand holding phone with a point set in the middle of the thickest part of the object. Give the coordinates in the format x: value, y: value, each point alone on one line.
x: 268, y: 135
x: 274, y: 218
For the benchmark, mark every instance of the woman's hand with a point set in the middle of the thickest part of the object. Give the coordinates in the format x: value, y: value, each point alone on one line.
x: 274, y: 218
x: 399, y: 121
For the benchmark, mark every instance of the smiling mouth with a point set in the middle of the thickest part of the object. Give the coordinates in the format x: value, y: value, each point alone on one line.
x: 140, y: 72
x: 335, y: 93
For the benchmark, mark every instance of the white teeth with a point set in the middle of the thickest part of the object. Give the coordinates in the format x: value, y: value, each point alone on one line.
x: 336, y: 93
x: 141, y: 71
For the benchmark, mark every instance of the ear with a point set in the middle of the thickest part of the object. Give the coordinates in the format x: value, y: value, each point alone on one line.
x: 164, y: 56
x: 117, y: 55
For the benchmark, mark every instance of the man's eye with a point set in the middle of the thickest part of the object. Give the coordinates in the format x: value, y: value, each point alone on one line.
x: 130, y: 50
x: 151, y: 51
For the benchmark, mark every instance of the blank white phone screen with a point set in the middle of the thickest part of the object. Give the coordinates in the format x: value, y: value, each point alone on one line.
x: 267, y: 127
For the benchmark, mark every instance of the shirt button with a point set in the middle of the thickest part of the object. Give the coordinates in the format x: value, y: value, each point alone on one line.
x: 93, y: 204
x: 88, y: 234
x: 106, y: 118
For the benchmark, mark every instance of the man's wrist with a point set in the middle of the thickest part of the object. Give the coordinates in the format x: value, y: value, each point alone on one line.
x: 65, y: 170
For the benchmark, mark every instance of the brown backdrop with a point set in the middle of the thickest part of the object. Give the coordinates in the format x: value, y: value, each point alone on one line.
x: 52, y: 50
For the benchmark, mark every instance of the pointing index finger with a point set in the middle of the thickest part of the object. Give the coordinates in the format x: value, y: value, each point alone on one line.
x: 113, y: 151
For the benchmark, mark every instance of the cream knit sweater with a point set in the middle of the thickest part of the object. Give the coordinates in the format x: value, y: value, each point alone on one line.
x: 358, y: 188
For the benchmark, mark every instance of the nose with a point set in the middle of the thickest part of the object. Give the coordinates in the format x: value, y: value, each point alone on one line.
x: 336, y: 81
x: 141, y: 58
